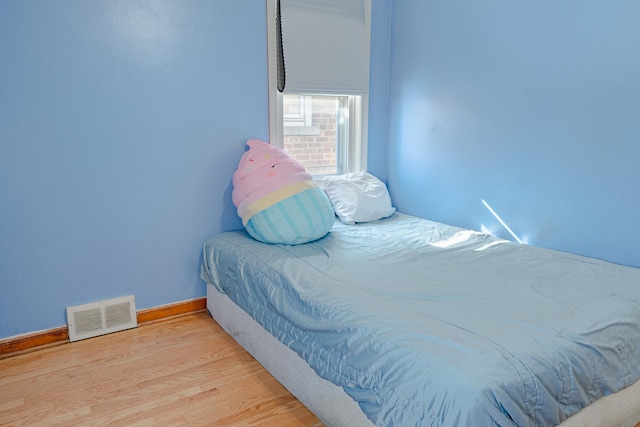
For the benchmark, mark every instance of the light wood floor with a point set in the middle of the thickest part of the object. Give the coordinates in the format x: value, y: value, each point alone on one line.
x: 180, y: 371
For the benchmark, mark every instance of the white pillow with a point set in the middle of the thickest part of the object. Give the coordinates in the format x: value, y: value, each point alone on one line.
x: 358, y: 197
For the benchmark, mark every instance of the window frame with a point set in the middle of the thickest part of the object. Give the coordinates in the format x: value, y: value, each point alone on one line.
x: 302, y: 119
x: 355, y: 151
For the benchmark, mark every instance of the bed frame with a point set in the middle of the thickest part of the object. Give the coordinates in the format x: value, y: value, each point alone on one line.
x: 332, y: 404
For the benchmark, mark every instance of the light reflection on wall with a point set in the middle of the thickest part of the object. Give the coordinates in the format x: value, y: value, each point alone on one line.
x: 501, y: 221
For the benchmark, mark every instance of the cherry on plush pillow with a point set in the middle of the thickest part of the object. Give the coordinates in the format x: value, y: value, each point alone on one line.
x: 277, y: 199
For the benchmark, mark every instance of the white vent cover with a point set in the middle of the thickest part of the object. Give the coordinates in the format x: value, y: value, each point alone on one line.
x: 102, y: 317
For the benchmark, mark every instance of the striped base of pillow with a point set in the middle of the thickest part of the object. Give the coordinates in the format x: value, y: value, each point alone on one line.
x: 301, y: 218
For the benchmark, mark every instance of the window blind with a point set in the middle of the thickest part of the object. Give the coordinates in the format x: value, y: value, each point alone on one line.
x: 325, y: 45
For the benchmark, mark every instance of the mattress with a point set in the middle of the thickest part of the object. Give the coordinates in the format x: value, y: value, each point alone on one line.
x: 423, y: 323
x: 336, y: 409
x: 328, y: 401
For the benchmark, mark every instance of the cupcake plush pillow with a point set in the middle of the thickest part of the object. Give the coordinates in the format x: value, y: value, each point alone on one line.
x: 277, y: 199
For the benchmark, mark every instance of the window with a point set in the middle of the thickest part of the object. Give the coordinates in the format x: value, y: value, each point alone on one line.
x: 297, y: 111
x: 320, y: 117
x: 316, y: 131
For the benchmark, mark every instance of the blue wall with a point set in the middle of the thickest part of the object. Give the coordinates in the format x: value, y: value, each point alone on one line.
x: 530, y: 106
x: 378, y: 126
x: 121, y: 123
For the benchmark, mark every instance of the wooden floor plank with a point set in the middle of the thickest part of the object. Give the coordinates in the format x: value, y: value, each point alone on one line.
x: 180, y: 371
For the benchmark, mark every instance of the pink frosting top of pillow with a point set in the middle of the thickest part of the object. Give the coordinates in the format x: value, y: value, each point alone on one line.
x: 262, y: 170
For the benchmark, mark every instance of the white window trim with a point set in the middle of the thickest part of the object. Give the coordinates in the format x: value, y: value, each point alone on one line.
x: 276, y: 133
x: 357, y: 150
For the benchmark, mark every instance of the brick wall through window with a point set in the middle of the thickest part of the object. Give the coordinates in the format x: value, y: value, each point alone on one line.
x: 312, y: 142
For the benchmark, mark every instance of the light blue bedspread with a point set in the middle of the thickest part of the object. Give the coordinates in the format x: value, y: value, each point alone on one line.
x: 426, y: 324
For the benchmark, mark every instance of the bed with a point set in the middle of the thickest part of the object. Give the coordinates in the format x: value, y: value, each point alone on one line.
x: 405, y: 321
